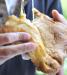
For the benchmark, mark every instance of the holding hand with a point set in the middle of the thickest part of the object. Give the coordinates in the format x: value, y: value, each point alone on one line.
x: 58, y: 17
x: 8, y: 51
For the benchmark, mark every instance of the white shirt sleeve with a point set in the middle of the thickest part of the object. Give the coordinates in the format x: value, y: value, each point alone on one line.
x: 10, y: 5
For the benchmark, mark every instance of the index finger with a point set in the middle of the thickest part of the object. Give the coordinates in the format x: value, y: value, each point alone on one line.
x: 7, y: 38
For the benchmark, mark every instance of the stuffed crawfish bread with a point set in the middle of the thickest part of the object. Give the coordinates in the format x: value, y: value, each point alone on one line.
x: 46, y: 57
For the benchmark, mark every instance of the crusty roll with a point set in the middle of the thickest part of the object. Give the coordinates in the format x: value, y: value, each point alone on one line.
x: 46, y: 57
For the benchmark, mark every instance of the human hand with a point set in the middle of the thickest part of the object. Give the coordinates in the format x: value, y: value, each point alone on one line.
x: 9, y: 50
x: 58, y: 17
x: 60, y: 30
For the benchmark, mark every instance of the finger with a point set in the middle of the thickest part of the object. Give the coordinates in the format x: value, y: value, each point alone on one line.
x: 58, y: 17
x: 61, y: 72
x: 16, y: 49
x: 7, y: 38
x: 9, y: 52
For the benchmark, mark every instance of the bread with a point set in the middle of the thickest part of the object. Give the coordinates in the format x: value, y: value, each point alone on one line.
x: 46, y: 57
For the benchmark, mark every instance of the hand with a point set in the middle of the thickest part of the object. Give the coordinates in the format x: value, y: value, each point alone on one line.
x: 7, y: 50
x: 60, y: 30
x: 58, y: 17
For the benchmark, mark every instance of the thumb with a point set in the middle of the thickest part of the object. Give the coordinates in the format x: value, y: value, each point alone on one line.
x: 58, y: 17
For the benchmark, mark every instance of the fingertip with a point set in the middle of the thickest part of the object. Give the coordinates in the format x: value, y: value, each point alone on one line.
x: 27, y: 36
x: 55, y: 13
x: 28, y: 47
x: 57, y: 16
x: 33, y: 46
x: 24, y: 36
x: 61, y: 72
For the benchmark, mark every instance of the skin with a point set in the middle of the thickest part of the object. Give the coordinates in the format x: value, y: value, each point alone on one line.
x: 58, y: 17
x: 9, y: 51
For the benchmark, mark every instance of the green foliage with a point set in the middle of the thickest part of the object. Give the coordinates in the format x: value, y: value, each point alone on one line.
x: 65, y: 67
x: 64, y: 7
